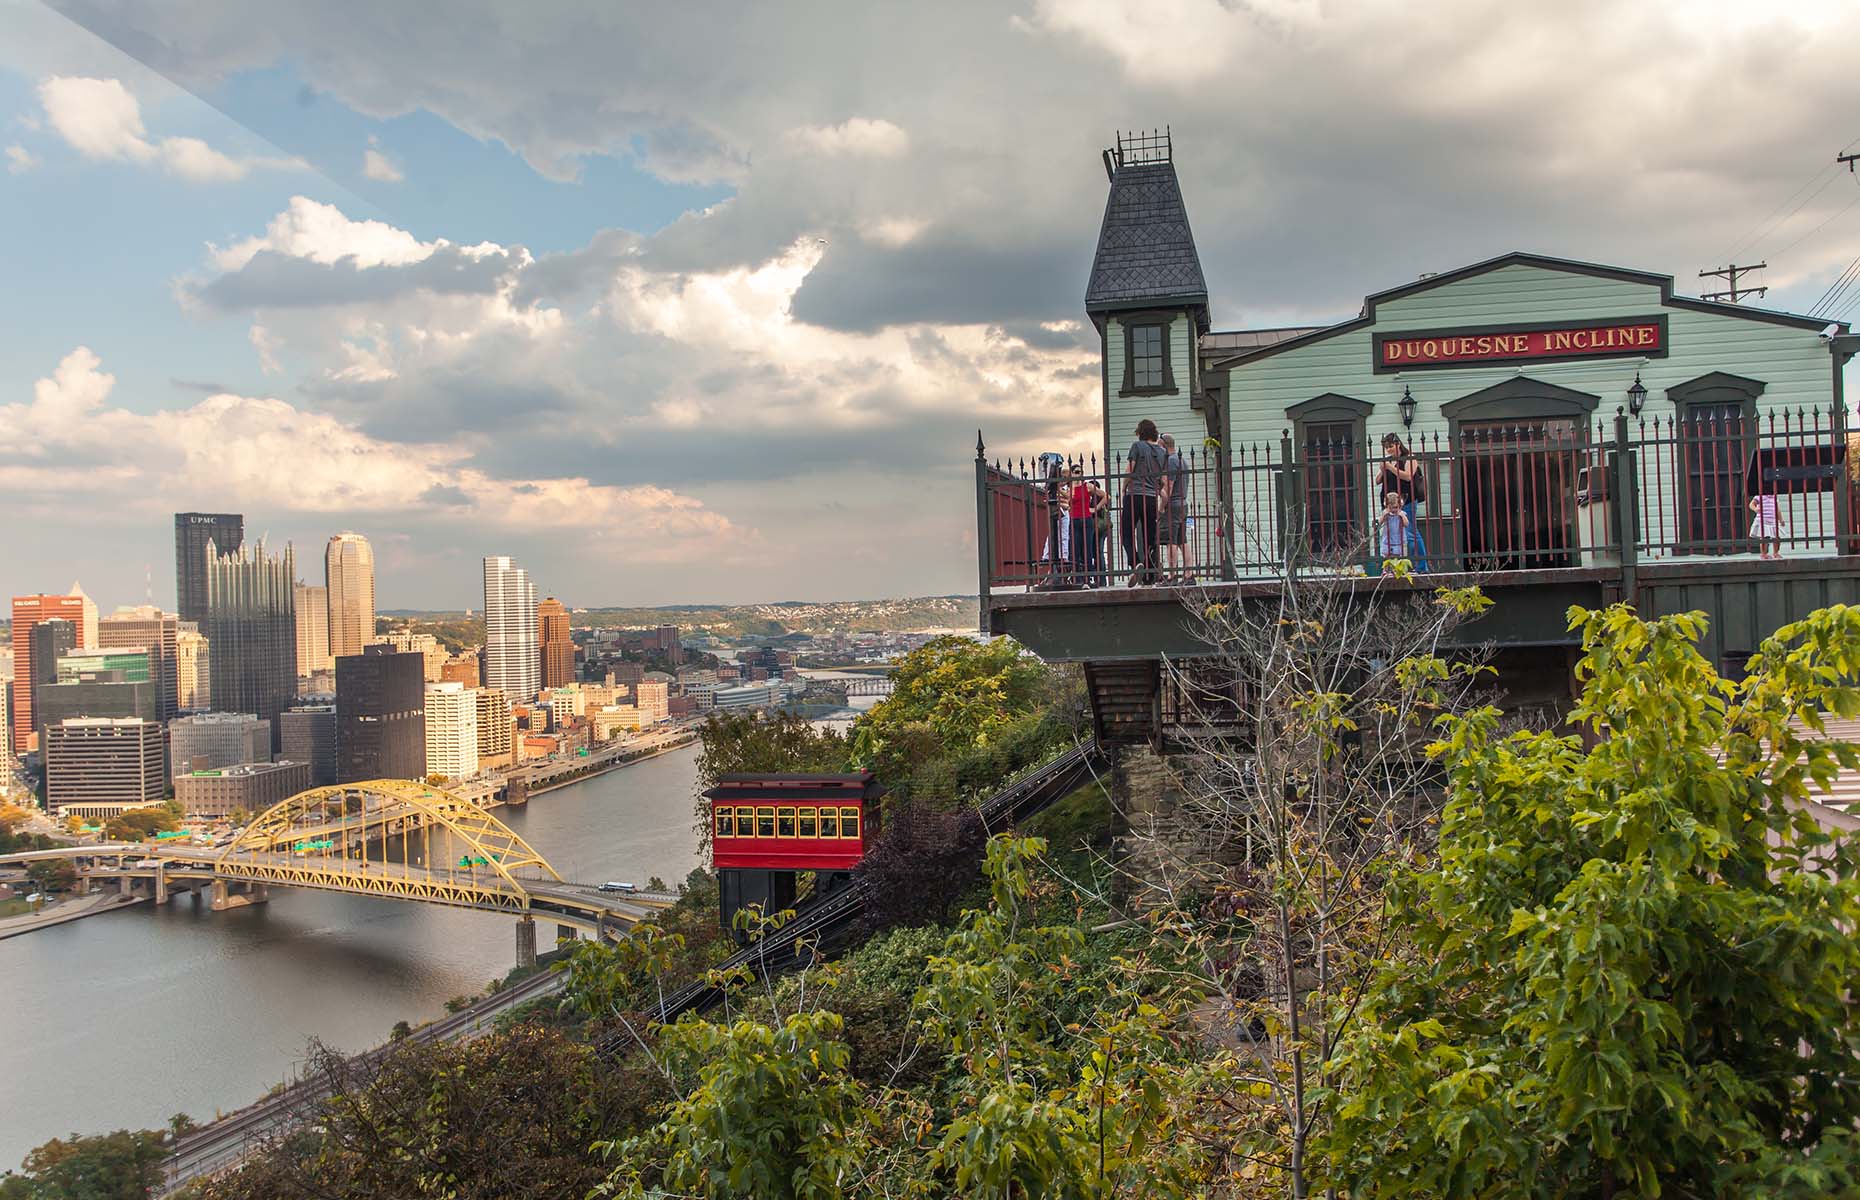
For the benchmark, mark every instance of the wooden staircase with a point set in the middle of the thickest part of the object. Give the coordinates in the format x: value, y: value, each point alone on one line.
x: 1126, y: 708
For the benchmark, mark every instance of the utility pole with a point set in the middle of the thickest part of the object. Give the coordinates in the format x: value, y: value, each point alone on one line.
x: 1733, y: 293
x: 1848, y: 159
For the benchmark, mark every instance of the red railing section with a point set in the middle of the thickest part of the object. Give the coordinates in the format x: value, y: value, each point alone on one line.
x: 1553, y: 493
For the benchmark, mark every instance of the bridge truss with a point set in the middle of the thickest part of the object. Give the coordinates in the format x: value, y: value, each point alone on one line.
x: 343, y: 838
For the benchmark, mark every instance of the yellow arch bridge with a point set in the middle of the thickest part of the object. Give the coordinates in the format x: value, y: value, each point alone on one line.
x: 396, y: 839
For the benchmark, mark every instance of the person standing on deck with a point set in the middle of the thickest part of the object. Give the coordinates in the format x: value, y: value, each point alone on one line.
x: 1403, y: 475
x: 1145, y: 481
x: 1179, y: 565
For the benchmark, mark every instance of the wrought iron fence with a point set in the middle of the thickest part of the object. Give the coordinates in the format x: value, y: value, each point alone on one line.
x: 1554, y: 493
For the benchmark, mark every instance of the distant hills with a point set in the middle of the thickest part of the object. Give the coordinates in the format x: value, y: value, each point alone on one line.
x: 766, y: 620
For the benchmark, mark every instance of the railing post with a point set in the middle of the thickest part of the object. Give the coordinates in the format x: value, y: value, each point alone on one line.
x: 1229, y: 511
x: 1626, y: 496
x: 1843, y: 484
x: 1288, y: 499
x: 984, y: 542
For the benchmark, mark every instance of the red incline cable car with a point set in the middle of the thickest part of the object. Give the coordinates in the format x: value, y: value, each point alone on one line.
x: 765, y: 828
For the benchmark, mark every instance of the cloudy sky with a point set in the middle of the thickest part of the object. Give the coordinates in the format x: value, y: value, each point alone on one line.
x: 705, y: 302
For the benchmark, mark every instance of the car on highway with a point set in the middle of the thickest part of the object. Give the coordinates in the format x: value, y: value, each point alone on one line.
x: 611, y: 886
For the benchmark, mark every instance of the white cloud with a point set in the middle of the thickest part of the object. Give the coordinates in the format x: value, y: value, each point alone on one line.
x: 322, y: 234
x: 19, y: 160
x: 264, y: 453
x: 97, y: 117
x: 1176, y: 43
x: 893, y: 232
x: 875, y: 138
x: 194, y: 160
x: 380, y: 168
x: 100, y: 119
x: 72, y: 392
x: 267, y: 345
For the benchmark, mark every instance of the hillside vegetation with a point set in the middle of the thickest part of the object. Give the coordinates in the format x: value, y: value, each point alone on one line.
x: 1613, y: 960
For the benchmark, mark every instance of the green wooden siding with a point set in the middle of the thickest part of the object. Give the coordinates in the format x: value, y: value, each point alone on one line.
x: 1793, y: 363
x: 1171, y: 411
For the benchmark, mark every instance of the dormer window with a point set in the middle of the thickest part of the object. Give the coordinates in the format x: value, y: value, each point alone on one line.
x: 1146, y: 358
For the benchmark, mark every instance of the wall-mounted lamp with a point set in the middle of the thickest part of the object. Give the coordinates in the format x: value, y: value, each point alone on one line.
x: 1407, y: 407
x: 1637, y: 395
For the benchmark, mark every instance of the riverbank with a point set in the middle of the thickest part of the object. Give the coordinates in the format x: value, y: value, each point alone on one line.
x: 231, y: 997
x: 65, y: 910
x: 626, y: 760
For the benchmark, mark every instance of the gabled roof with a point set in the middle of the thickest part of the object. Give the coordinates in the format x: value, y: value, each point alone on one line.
x: 1146, y: 255
x: 1543, y: 262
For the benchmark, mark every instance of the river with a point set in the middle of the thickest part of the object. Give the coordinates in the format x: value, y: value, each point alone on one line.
x: 123, y: 1019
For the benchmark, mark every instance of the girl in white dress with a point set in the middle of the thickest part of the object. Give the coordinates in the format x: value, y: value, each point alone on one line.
x: 1767, y: 524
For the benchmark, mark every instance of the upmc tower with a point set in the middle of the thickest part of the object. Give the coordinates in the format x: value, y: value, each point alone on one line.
x: 192, y: 532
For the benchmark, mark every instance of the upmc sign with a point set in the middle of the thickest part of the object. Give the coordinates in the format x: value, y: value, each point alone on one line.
x: 1631, y: 337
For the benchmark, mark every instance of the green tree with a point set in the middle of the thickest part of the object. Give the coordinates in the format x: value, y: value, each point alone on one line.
x: 774, y: 1113
x: 511, y: 1113
x: 1045, y: 1106
x: 140, y: 824
x: 111, y: 1166
x: 734, y: 743
x: 951, y: 695
x: 53, y: 874
x: 1636, y: 955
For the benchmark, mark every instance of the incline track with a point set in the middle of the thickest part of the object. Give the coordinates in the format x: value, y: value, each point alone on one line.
x: 220, y: 1145
x: 832, y: 914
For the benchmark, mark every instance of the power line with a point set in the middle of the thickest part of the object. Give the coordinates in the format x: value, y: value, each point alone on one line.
x: 1832, y: 297
x: 1801, y: 197
x: 1733, y: 293
x: 1770, y: 224
x: 1817, y: 229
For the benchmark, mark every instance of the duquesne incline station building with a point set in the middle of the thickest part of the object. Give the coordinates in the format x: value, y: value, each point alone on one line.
x: 1583, y: 434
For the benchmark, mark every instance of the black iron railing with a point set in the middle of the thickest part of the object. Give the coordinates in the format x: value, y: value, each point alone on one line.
x: 1552, y: 493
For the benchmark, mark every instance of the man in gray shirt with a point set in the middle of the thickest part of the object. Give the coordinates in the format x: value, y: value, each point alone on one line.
x: 1178, y: 560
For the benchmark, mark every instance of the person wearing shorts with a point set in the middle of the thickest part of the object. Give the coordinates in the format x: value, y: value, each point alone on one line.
x: 1172, y: 519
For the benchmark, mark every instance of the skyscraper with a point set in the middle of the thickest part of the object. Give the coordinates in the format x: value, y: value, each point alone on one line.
x: 309, y: 736
x: 380, y: 715
x: 219, y: 739
x: 192, y: 533
x: 27, y: 612
x: 312, y: 630
x: 157, y: 632
x: 192, y: 666
x: 512, y: 660
x: 99, y: 766
x: 451, y: 730
x: 349, y: 570
x: 50, y: 639
x: 87, y: 630
x: 252, y: 625
x: 558, y: 647
x: 98, y: 682
x: 496, y: 729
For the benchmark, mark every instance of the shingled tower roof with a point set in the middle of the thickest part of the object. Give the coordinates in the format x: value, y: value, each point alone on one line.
x: 1146, y: 255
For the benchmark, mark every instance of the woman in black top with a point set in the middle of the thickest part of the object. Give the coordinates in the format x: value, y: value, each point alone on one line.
x: 1402, y: 474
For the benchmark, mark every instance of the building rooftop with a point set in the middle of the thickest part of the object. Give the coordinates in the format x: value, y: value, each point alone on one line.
x: 1146, y: 252
x: 1230, y: 344
x: 237, y: 770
